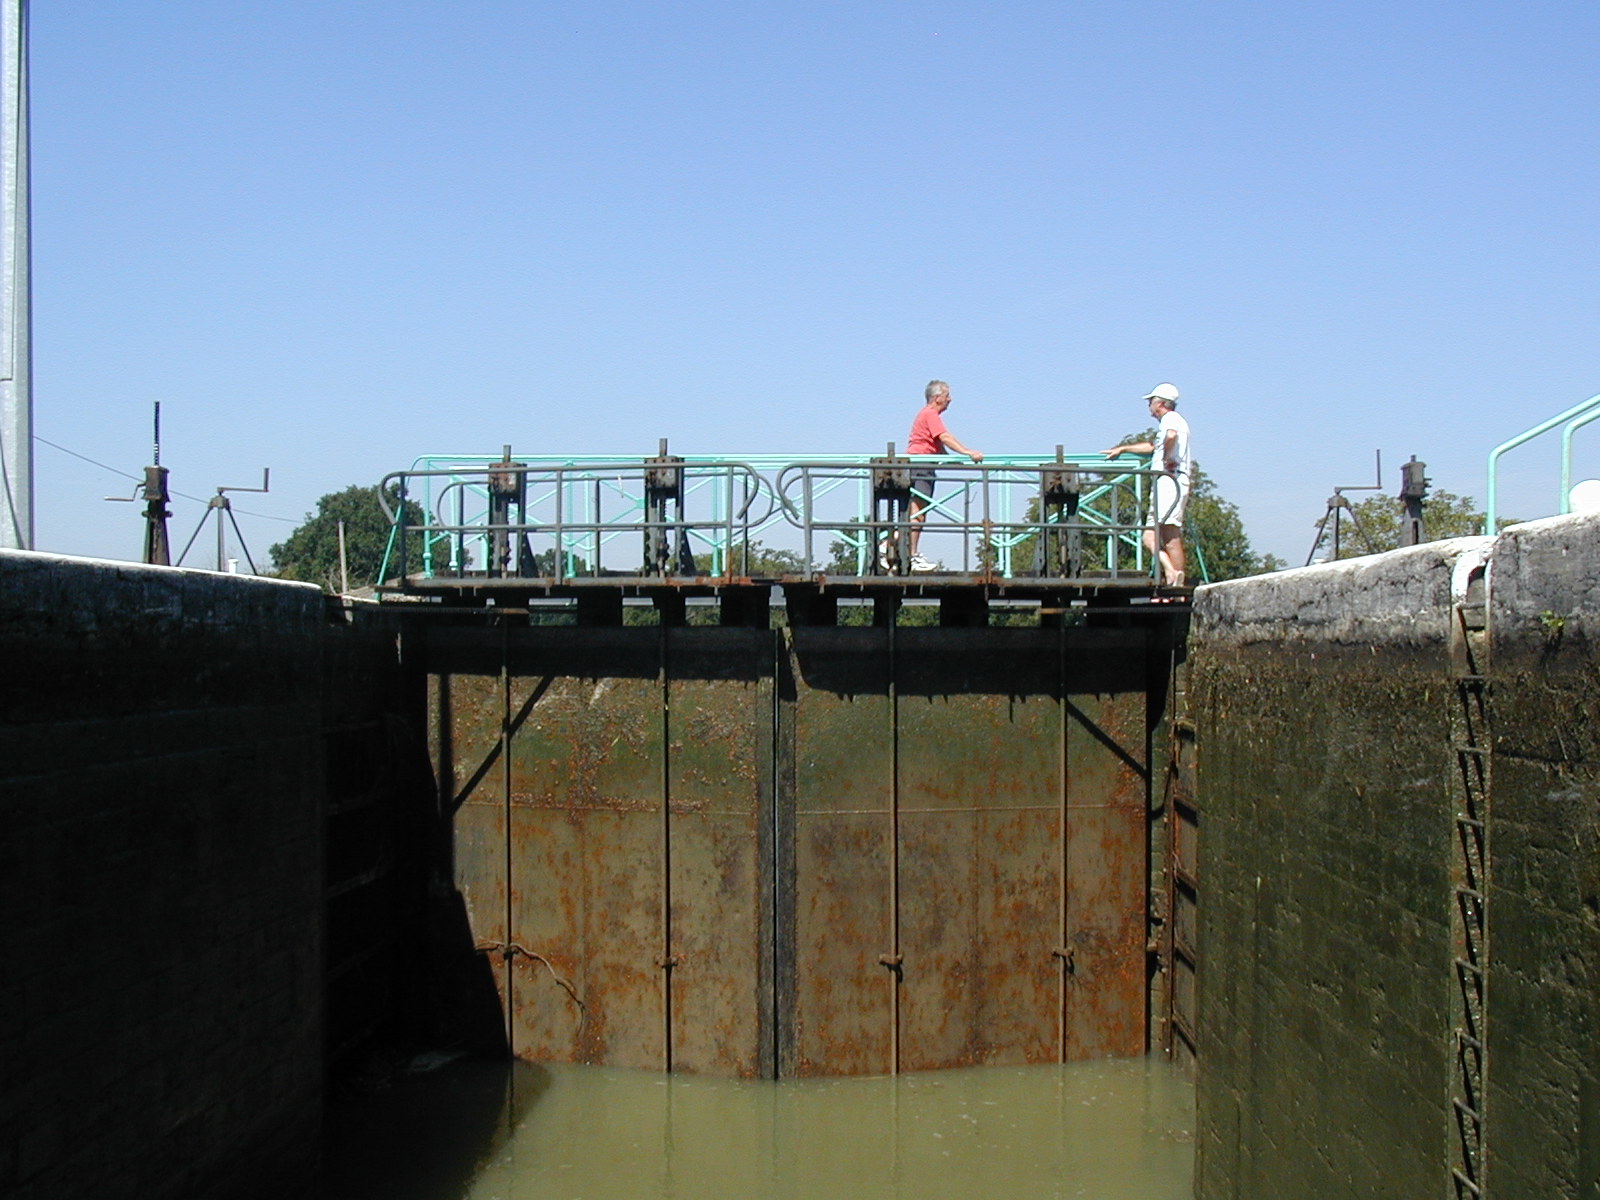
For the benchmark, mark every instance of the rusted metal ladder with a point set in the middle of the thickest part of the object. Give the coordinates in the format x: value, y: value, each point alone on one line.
x: 1469, y: 876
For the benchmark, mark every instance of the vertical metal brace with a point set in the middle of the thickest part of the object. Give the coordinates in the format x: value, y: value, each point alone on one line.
x: 667, y: 959
x: 894, y: 960
x: 1063, y: 951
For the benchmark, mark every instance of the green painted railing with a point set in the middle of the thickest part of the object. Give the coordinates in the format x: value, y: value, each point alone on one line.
x: 1574, y: 418
x: 575, y: 517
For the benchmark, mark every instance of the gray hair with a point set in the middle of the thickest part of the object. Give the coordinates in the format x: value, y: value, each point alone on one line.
x: 936, y: 387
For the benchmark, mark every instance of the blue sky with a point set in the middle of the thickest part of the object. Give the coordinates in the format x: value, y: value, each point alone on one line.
x: 331, y: 237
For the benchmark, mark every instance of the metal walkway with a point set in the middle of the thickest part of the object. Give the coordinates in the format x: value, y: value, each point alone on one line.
x: 1058, y: 531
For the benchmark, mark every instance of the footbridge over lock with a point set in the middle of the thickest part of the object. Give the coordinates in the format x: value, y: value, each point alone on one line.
x: 727, y: 788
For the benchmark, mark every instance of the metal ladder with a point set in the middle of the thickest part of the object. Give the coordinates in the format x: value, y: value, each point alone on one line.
x: 1470, y: 744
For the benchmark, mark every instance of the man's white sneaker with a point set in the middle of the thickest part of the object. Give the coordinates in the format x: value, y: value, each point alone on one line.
x: 922, y: 565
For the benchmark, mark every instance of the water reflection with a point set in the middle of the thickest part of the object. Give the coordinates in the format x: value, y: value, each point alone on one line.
x: 1120, y: 1130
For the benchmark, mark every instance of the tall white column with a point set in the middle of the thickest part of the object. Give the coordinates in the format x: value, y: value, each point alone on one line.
x: 16, y: 296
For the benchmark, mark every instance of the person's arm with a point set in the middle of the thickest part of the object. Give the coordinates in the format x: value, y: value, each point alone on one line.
x: 951, y: 442
x: 1129, y: 448
x: 1169, y: 450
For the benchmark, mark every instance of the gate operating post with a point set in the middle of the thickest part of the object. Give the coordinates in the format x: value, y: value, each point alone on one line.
x: 509, y: 555
x: 663, y: 488
x: 1413, y: 492
x: 157, y: 550
x: 221, y: 505
x: 1060, y: 489
x: 891, y: 507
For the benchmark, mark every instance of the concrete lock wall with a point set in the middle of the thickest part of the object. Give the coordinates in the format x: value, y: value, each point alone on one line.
x: 161, y: 891
x: 1336, y: 743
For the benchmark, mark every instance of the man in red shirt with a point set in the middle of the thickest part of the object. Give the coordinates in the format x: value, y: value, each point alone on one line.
x: 929, y: 436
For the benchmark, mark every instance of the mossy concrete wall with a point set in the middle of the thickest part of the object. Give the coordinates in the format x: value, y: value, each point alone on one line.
x: 161, y: 881
x: 1544, y: 849
x: 1327, y: 780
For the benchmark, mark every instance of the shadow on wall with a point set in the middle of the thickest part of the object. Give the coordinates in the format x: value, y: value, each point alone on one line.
x: 426, y: 1133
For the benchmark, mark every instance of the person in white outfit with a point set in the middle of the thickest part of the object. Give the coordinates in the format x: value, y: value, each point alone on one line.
x: 1170, y: 455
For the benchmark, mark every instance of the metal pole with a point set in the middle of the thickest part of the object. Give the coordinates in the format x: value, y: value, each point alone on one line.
x: 344, y: 564
x: 16, y: 296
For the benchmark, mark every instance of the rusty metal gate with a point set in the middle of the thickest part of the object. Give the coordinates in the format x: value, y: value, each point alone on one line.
x: 969, y: 848
x: 818, y: 851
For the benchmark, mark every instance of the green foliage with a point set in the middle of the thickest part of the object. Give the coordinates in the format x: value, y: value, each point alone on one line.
x: 311, y: 552
x: 1378, y: 520
x: 755, y: 558
x: 1216, y: 535
x: 758, y: 559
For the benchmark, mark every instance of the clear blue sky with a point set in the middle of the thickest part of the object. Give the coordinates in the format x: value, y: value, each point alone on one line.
x: 332, y: 236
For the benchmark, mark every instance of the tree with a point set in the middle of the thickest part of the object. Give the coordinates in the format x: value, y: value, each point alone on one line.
x: 1379, y: 518
x: 1216, y: 533
x: 311, y: 552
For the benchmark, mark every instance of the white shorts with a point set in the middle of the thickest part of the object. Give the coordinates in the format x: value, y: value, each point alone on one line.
x: 1171, y: 498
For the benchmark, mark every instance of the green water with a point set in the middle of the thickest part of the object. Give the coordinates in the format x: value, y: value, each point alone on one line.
x: 1117, y: 1130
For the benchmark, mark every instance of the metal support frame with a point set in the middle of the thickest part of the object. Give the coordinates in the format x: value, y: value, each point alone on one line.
x: 1338, y: 504
x: 221, y: 505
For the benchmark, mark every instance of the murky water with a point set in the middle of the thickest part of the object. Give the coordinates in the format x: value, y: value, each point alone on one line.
x: 1118, y: 1130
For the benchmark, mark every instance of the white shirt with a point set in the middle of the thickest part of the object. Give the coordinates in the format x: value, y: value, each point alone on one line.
x: 1171, y: 422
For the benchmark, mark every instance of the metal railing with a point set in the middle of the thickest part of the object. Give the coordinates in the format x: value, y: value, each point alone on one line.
x: 1012, y: 516
x: 575, y: 518
x: 706, y: 517
x: 1575, y: 417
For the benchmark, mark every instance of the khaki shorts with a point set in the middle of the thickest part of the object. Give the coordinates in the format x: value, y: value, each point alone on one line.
x: 1171, y: 498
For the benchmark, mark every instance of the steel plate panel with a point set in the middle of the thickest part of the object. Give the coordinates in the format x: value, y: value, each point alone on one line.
x: 605, y: 910
x: 843, y: 758
x: 980, y: 851
x: 1107, y: 846
x: 720, y: 739
x: 843, y: 995
x: 587, y: 870
x: 979, y: 911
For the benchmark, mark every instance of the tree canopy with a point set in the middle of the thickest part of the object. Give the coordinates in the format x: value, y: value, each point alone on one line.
x: 1378, y: 521
x: 311, y: 552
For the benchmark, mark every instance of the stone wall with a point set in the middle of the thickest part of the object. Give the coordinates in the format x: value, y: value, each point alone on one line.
x: 161, y: 890
x: 1325, y: 702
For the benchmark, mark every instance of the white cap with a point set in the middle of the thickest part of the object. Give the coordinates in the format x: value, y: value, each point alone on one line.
x: 1164, y: 391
